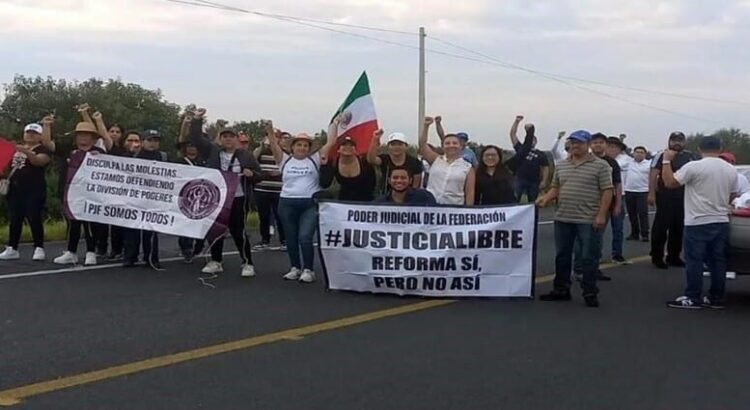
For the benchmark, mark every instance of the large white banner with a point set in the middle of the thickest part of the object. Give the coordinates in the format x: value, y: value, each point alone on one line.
x: 150, y: 195
x: 429, y: 251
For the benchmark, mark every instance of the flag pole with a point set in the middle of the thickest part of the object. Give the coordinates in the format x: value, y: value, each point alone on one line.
x: 420, y: 123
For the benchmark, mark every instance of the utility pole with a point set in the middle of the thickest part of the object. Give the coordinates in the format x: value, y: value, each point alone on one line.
x: 420, y: 124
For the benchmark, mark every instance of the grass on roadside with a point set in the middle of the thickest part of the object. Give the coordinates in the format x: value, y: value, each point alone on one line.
x: 56, y: 230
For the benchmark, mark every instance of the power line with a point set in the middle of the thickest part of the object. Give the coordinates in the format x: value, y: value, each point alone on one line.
x: 486, y: 59
x: 583, y: 80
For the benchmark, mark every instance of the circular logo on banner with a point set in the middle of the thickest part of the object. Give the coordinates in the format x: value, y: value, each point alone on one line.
x: 199, y: 198
x: 346, y: 119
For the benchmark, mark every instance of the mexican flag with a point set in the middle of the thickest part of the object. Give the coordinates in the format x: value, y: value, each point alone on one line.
x: 358, y: 119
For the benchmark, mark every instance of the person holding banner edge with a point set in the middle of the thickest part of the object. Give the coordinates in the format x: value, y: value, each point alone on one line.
x: 226, y: 156
x: 452, y: 178
x: 582, y: 185
x: 300, y: 173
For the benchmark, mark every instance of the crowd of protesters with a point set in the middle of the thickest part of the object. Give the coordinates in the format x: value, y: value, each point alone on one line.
x: 596, y: 182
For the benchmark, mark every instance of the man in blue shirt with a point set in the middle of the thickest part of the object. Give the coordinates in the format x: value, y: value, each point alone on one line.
x: 531, y: 164
x: 401, y: 192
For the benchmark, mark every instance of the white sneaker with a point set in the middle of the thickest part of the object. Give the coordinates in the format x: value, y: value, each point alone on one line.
x: 67, y: 258
x: 90, y: 259
x: 248, y: 271
x: 293, y: 274
x: 39, y: 254
x: 9, y: 254
x: 213, y: 268
x: 307, y: 276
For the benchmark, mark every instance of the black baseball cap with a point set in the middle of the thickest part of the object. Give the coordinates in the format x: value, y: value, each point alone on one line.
x: 598, y: 136
x: 151, y: 134
x: 677, y: 135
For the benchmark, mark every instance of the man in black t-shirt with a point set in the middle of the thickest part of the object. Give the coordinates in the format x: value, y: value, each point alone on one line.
x: 599, y: 149
x: 669, y: 221
x: 531, y: 164
x: 396, y: 156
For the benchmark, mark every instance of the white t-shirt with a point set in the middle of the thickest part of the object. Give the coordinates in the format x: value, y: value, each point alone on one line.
x: 709, y: 184
x: 225, y: 158
x: 300, y: 177
x: 636, y: 179
x: 447, y: 180
x: 624, y: 161
x: 558, y: 151
x: 743, y: 185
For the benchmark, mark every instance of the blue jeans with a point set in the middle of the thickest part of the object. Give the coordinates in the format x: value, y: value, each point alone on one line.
x: 706, y: 244
x: 566, y: 235
x: 618, y: 233
x: 530, y: 188
x: 299, y: 217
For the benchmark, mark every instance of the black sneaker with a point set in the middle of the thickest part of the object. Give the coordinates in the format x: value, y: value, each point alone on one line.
x: 262, y: 246
x: 620, y: 260
x: 556, y: 296
x: 707, y: 303
x: 684, y: 302
x: 677, y: 263
x: 128, y: 264
x: 659, y: 264
x: 602, y: 277
x: 187, y: 259
x: 114, y: 257
x: 591, y: 300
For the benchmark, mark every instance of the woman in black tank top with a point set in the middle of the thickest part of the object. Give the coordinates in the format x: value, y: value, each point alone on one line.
x: 354, y: 175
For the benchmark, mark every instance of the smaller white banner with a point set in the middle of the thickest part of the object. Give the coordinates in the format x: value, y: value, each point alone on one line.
x: 150, y: 195
x: 429, y: 251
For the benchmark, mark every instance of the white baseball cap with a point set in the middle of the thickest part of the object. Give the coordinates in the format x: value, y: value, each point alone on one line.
x: 397, y: 136
x: 33, y: 127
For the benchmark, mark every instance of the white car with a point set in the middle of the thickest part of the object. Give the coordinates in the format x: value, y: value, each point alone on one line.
x: 739, y: 235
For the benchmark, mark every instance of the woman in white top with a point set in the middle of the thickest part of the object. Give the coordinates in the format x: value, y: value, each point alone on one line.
x: 300, y: 182
x: 451, y: 177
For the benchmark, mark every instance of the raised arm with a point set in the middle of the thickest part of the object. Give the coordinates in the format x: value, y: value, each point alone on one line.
x: 514, y: 130
x: 372, y: 151
x: 439, y: 127
x: 185, y: 127
x: 196, y: 134
x: 273, y: 143
x: 333, y: 134
x: 47, y: 133
x: 99, y: 122
x: 427, y: 153
x: 83, y: 109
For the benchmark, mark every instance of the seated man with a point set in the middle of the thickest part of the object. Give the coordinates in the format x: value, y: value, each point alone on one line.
x: 400, y: 181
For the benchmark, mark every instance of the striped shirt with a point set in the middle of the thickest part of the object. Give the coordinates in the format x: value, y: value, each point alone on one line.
x: 579, y: 187
x: 270, y: 183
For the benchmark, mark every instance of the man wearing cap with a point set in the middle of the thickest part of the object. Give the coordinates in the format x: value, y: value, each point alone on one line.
x: 531, y: 164
x: 396, y: 156
x: 616, y: 151
x: 86, y: 135
x: 582, y: 185
x: 27, y: 190
x: 668, y: 223
x: 710, y: 185
x: 466, y: 152
x: 743, y: 185
x: 227, y: 157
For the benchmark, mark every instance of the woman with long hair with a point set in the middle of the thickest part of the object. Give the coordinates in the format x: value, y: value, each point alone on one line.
x: 355, y: 176
x: 452, y: 178
x: 300, y: 175
x: 494, y: 182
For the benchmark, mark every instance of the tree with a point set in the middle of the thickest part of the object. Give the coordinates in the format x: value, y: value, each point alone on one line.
x: 732, y: 139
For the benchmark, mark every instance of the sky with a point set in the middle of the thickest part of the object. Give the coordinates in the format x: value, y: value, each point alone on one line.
x: 244, y: 67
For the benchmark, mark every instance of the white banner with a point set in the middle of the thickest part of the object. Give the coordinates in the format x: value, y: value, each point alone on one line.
x: 429, y: 251
x: 150, y: 195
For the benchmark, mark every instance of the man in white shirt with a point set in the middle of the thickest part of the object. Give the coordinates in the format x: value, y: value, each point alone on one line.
x: 710, y: 184
x: 636, y: 194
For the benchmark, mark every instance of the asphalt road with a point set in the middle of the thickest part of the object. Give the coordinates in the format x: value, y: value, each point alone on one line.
x: 293, y: 350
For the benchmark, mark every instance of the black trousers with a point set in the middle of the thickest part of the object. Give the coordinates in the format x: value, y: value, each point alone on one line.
x: 101, y: 238
x: 637, y: 205
x: 190, y: 246
x: 30, y: 208
x: 134, y: 239
x: 268, y: 204
x: 116, y: 239
x: 237, y: 230
x: 669, y: 227
x: 74, y: 235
